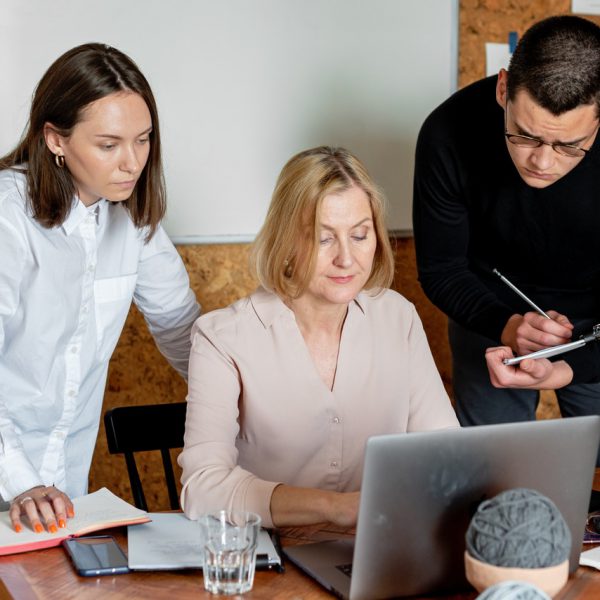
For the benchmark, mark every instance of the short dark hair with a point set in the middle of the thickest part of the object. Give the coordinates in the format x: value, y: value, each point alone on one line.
x: 557, y: 61
x: 79, y: 77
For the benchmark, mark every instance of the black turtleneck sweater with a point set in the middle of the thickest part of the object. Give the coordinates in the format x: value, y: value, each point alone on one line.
x: 472, y: 213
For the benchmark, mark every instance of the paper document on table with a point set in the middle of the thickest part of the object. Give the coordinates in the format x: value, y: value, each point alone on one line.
x: 172, y: 541
x: 590, y: 558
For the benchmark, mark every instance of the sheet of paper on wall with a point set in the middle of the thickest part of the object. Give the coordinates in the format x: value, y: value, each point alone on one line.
x: 172, y: 541
x: 497, y: 56
x: 586, y: 7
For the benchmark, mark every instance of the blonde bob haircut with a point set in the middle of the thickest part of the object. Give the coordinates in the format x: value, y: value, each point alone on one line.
x: 285, y: 251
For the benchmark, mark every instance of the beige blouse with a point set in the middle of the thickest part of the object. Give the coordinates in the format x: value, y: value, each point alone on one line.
x: 259, y: 414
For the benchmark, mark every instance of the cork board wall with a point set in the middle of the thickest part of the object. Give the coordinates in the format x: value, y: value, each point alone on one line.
x: 219, y: 273
x: 482, y: 21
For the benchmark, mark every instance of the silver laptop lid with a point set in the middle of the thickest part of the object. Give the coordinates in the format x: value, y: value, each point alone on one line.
x: 420, y: 490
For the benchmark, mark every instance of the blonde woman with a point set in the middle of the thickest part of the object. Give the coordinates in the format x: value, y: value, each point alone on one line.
x: 286, y: 385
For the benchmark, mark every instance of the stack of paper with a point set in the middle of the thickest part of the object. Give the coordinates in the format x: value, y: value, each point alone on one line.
x: 172, y: 541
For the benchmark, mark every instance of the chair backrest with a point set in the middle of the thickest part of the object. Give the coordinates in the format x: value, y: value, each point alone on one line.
x: 132, y: 429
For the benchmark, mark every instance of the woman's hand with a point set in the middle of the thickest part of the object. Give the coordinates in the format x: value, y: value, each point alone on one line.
x: 42, y: 505
x: 537, y: 374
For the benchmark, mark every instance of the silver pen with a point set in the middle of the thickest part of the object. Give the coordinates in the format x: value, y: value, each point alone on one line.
x: 520, y: 293
x: 554, y: 350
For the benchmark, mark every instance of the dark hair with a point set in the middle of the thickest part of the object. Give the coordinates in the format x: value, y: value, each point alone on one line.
x: 557, y: 62
x: 80, y: 76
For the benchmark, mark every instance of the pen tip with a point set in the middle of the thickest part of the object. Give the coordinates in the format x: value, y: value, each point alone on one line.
x: 496, y: 272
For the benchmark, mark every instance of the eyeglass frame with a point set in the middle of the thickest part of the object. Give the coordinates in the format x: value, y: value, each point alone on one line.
x: 540, y: 142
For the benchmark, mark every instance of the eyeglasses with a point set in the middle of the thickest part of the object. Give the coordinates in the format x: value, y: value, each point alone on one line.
x: 526, y: 141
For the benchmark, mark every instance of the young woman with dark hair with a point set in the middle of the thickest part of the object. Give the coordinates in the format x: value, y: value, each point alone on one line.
x: 81, y: 200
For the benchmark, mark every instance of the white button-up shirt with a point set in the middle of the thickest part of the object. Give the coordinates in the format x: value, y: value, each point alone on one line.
x: 65, y: 293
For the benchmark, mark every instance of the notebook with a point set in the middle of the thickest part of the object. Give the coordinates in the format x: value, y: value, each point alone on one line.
x: 420, y: 490
x: 93, y: 512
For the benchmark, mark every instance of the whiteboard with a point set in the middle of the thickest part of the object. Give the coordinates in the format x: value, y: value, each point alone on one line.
x: 242, y: 85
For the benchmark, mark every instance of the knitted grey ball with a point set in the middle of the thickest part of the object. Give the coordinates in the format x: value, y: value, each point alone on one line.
x: 519, y: 528
x: 513, y: 590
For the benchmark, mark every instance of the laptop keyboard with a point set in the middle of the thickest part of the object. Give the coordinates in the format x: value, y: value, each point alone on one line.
x: 345, y: 569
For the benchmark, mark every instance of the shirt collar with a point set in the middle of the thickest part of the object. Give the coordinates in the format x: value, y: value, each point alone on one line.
x: 269, y: 306
x: 79, y: 211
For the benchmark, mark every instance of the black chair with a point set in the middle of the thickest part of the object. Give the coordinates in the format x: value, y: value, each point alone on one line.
x: 132, y: 429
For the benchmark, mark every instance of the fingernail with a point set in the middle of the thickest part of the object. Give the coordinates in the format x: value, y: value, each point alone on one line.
x: 53, y: 529
x: 61, y: 523
x: 18, y: 528
x: 70, y: 512
x: 38, y: 528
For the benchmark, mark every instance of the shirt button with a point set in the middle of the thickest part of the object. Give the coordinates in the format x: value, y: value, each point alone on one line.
x: 74, y: 350
x: 336, y: 419
x: 333, y: 463
x: 72, y: 393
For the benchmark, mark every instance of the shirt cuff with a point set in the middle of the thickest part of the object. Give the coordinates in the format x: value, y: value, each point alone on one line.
x: 258, y: 500
x: 17, y: 475
x: 490, y: 323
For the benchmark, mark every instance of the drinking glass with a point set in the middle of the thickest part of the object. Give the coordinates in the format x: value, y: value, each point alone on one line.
x: 229, y: 540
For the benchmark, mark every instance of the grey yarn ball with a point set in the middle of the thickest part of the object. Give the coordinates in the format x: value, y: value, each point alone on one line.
x: 519, y: 528
x: 513, y: 590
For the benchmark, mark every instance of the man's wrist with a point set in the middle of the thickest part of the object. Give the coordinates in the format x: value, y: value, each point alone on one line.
x: 507, y: 337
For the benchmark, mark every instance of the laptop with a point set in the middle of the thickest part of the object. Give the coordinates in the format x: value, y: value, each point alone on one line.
x: 420, y: 490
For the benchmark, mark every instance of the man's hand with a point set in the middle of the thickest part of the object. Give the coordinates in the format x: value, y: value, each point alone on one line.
x: 538, y: 374
x: 531, y: 331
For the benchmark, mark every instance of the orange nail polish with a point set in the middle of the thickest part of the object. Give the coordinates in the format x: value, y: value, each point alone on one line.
x: 18, y: 528
x: 71, y: 513
x: 61, y: 523
x: 53, y: 529
x: 38, y: 528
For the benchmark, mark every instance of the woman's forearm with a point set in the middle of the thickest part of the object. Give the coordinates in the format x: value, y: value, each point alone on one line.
x: 296, y: 506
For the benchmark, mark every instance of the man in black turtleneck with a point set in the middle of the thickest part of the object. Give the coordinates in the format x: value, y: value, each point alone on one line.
x: 507, y: 177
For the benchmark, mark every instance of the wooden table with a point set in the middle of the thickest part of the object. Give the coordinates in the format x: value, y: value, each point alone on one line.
x: 48, y: 575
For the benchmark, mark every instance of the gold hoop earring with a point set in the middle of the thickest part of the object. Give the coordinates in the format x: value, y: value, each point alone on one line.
x: 59, y: 159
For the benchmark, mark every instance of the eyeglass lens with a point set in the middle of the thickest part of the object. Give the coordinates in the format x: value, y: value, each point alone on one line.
x: 531, y: 142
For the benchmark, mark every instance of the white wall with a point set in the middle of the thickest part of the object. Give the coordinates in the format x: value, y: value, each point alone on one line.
x: 242, y: 85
